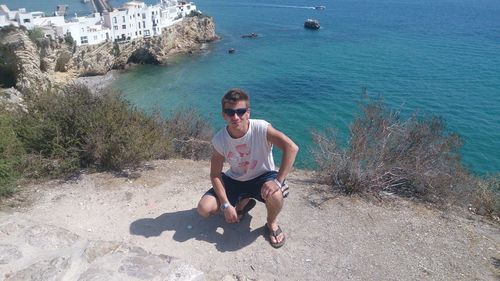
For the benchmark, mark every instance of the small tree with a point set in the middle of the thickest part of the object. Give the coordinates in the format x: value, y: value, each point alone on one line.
x: 36, y: 34
x: 69, y: 39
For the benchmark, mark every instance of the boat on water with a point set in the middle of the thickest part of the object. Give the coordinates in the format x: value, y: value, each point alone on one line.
x: 311, y: 24
x: 319, y: 7
x: 251, y: 35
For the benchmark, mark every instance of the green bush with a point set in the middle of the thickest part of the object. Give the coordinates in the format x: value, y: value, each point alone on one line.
x: 69, y: 39
x: 72, y: 129
x: 121, y: 136
x: 11, y: 154
x: 36, y: 34
x: 195, y: 13
x: 63, y: 132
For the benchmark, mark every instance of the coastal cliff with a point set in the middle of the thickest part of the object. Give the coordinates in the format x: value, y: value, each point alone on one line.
x: 39, y: 64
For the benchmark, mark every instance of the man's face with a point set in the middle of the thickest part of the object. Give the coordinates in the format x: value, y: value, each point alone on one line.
x: 236, y: 114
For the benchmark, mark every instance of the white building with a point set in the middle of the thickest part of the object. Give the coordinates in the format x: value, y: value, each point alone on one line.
x: 29, y: 20
x: 84, y: 30
x: 133, y: 20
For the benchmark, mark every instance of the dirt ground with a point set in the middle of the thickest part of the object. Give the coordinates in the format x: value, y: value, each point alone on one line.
x: 328, y: 237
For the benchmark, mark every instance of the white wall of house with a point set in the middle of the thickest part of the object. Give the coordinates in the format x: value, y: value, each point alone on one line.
x: 133, y: 20
x: 4, y: 21
x: 84, y: 30
x: 47, y: 21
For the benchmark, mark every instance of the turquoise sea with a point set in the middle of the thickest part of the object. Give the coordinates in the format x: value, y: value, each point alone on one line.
x: 437, y: 57
x: 49, y: 6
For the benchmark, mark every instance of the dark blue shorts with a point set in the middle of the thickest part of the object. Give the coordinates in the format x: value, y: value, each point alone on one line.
x: 237, y: 190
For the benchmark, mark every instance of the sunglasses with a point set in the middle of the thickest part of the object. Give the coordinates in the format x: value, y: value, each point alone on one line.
x: 230, y: 112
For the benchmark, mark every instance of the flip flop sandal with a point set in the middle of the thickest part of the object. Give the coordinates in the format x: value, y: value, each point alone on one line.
x: 275, y: 234
x: 249, y: 206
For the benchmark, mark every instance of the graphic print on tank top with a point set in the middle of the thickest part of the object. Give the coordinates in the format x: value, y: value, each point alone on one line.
x: 240, y: 160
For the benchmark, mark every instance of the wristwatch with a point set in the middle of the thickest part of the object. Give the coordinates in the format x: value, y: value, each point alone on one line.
x: 283, y: 187
x: 224, y: 206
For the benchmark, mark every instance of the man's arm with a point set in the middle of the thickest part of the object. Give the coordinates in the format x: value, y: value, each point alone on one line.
x: 216, y: 164
x: 288, y: 147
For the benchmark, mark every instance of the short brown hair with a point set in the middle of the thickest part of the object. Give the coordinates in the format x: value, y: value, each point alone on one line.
x: 235, y: 95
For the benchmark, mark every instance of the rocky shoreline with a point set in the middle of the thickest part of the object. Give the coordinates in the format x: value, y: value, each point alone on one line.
x: 44, y: 64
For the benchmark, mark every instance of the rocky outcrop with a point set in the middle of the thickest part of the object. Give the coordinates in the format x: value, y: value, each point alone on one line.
x: 22, y: 56
x: 51, y: 63
x: 32, y: 251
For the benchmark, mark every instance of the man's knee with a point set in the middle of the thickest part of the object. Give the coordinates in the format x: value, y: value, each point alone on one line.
x: 275, y: 198
x: 206, y: 207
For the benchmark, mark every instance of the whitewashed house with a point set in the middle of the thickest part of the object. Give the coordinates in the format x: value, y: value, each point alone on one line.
x: 29, y: 20
x: 84, y: 30
x: 4, y: 21
x: 133, y: 20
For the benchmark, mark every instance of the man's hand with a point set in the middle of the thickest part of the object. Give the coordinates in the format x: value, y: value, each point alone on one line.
x: 268, y: 189
x: 231, y: 215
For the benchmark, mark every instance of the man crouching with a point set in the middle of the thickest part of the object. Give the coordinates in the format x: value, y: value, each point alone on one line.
x: 246, y: 144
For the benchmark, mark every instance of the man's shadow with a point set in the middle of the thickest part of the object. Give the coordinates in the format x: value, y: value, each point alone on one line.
x: 188, y: 224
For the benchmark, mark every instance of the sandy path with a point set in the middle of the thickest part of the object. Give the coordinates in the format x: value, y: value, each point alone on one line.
x: 327, y: 238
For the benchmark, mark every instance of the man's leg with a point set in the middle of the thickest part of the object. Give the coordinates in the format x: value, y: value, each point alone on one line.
x: 207, y: 206
x: 274, y: 203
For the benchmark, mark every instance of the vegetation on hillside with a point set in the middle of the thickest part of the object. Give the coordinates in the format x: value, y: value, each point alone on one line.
x: 63, y: 132
x: 414, y: 157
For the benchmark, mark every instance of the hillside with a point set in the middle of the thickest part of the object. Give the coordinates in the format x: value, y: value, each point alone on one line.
x: 106, y: 227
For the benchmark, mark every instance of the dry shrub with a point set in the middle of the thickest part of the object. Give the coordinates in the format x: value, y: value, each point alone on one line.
x: 413, y: 157
x: 190, y: 134
x: 486, y: 196
x: 62, y: 62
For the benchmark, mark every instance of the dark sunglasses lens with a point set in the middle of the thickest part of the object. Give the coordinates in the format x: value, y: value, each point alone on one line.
x: 231, y: 112
x: 241, y: 111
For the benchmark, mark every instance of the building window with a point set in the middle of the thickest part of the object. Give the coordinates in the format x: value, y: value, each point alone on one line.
x: 144, y: 24
x: 115, y: 27
x: 139, y: 25
x: 143, y: 15
x: 136, y: 33
x: 84, y: 40
x: 26, y: 20
x: 123, y: 18
x: 146, y: 32
x: 114, y: 19
x: 140, y: 33
x: 124, y: 26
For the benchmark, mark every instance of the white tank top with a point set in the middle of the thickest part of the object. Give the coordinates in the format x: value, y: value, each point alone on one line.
x: 249, y: 156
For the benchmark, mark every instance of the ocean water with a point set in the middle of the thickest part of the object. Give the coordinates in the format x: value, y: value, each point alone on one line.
x: 436, y: 57
x: 49, y: 6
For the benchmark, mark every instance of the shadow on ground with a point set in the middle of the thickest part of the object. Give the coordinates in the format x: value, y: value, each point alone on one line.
x: 188, y: 224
